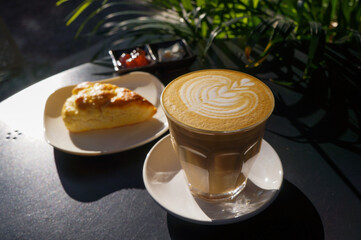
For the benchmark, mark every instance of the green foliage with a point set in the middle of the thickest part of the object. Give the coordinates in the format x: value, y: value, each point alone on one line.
x: 318, y: 23
x: 314, y: 24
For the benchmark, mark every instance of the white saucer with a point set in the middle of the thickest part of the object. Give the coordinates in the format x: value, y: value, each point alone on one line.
x: 166, y: 183
x: 106, y: 141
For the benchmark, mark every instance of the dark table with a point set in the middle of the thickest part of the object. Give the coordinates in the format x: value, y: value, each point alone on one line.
x: 49, y: 194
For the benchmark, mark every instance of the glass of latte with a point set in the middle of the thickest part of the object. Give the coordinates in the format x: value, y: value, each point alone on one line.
x: 216, y: 121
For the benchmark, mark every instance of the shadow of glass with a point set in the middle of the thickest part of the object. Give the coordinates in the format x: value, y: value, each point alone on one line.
x: 89, y: 178
x: 290, y: 216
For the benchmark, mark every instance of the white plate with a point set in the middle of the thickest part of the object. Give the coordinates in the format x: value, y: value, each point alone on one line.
x: 108, y: 140
x: 166, y: 183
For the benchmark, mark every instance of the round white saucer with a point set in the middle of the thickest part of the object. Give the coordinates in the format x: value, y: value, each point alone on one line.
x: 166, y: 183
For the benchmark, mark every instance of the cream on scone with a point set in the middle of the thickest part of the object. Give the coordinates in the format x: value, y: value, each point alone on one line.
x: 103, y: 105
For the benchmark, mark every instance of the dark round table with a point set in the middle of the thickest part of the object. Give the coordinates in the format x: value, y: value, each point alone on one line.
x: 49, y: 194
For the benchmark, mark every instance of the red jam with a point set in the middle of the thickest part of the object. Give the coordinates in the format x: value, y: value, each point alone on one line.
x: 137, y: 58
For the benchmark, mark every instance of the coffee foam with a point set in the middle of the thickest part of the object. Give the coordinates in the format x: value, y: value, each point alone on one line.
x: 218, y: 100
x: 216, y: 96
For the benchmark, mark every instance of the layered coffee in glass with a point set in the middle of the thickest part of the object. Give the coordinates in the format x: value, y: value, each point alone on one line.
x: 216, y: 120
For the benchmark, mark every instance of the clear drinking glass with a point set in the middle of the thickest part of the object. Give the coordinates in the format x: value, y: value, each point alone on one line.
x: 213, y: 160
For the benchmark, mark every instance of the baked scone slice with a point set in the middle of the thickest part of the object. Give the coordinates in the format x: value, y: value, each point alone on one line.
x: 103, y: 105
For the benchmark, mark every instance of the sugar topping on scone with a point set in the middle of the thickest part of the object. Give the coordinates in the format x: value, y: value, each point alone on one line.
x: 100, y: 94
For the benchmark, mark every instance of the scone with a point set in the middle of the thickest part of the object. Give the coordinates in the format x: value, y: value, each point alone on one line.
x: 103, y: 105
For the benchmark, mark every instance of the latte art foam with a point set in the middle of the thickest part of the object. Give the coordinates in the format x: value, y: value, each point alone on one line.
x: 219, y: 97
x: 217, y: 100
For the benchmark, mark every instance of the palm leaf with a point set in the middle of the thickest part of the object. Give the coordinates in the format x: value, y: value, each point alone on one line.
x: 79, y: 10
x: 276, y: 30
x: 58, y: 3
x: 218, y: 30
x: 316, y: 47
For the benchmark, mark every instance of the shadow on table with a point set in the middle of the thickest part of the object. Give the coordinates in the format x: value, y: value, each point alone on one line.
x: 290, y: 216
x: 89, y: 178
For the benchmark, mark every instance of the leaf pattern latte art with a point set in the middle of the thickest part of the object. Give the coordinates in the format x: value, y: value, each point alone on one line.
x: 219, y: 97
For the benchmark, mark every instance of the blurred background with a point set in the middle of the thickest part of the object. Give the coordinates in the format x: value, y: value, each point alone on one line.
x: 40, y: 40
